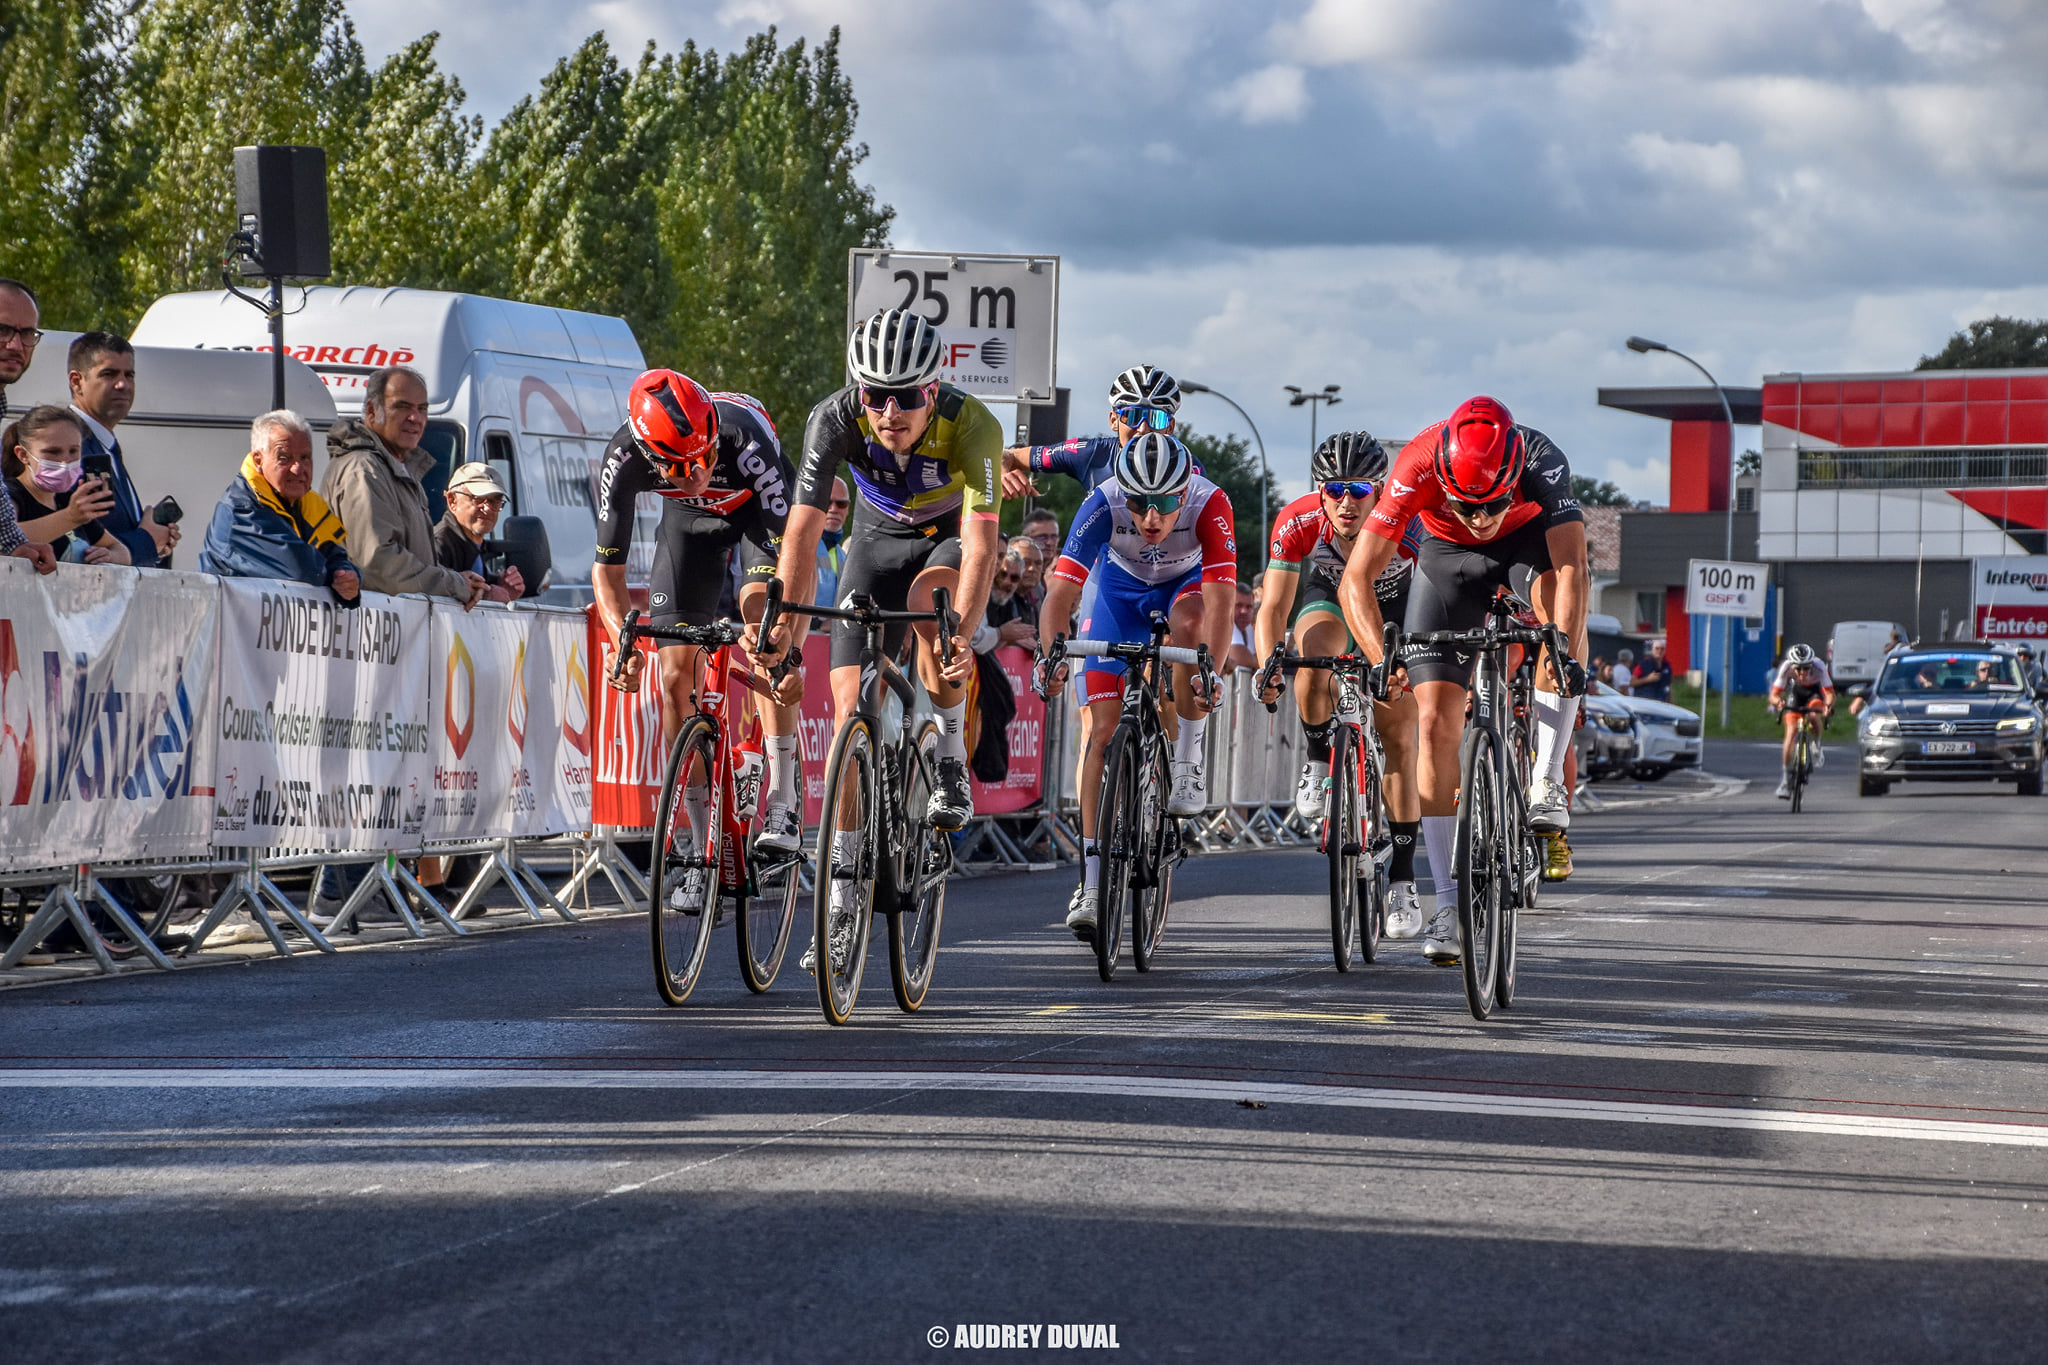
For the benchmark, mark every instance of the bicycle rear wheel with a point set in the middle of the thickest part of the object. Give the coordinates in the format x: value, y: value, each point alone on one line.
x: 846, y: 867
x: 1481, y: 886
x: 1372, y: 834
x: 1343, y: 846
x: 1117, y: 835
x: 766, y: 918
x: 922, y: 862
x: 1161, y: 851
x: 681, y: 915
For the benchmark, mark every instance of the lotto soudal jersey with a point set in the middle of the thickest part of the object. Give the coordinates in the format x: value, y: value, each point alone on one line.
x: 751, y: 481
x: 1203, y: 537
x: 1544, y: 491
x: 1305, y: 542
x: 955, y: 466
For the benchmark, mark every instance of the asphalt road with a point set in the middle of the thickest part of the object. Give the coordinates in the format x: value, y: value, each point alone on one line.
x: 1774, y: 1090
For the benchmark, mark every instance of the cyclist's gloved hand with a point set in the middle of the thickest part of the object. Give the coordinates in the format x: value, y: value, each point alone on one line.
x: 766, y: 653
x: 625, y: 674
x: 1574, y: 677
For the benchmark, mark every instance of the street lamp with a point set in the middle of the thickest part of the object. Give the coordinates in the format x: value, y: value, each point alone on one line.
x: 1265, y: 476
x: 1326, y: 398
x: 1643, y: 346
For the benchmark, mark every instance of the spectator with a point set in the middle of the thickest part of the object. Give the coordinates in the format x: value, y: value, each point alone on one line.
x: 1653, y: 679
x: 39, y: 455
x: 374, y: 468
x: 475, y: 498
x: 102, y: 374
x: 833, y: 556
x: 1042, y: 526
x: 1241, y: 624
x: 1601, y: 670
x: 1258, y: 592
x: 1031, y: 588
x: 271, y: 524
x: 1624, y: 676
x: 20, y: 330
x: 1008, y: 620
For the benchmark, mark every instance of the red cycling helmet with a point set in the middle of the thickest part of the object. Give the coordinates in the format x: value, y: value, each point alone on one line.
x: 1480, y: 454
x: 674, y: 419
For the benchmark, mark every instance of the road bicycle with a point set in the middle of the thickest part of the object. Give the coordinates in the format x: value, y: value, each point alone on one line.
x: 1499, y: 861
x: 1804, y: 741
x: 722, y: 769
x: 1355, y: 835
x: 1137, y: 837
x: 874, y: 841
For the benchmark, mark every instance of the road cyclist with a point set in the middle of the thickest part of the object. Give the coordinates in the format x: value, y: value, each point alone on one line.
x: 1314, y: 537
x: 926, y: 457
x: 1493, y: 497
x: 1156, y: 537
x: 1142, y: 398
x: 1802, y: 697
x: 724, y: 484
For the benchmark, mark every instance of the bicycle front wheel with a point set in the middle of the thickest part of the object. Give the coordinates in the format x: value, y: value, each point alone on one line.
x: 683, y: 906
x: 1343, y: 846
x: 925, y: 859
x: 843, y: 899
x: 766, y: 918
x: 1117, y: 835
x: 1161, y: 850
x: 1802, y: 766
x: 1481, y: 885
x: 1372, y: 835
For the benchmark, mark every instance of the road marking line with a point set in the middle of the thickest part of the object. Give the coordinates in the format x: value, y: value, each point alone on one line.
x: 1056, y: 1009
x: 1813, y: 1122
x: 1305, y: 1014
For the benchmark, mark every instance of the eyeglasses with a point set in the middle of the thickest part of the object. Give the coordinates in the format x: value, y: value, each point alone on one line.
x: 491, y: 500
x: 1141, y: 503
x: 1472, y: 511
x: 841, y: 504
x: 908, y: 399
x: 27, y: 336
x: 1335, y: 491
x: 1145, y: 419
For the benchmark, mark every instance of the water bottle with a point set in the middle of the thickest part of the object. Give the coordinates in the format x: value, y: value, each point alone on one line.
x: 748, y: 765
x: 892, y: 716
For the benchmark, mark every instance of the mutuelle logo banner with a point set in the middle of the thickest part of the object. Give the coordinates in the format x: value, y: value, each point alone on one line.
x: 325, y: 719
x: 106, y: 690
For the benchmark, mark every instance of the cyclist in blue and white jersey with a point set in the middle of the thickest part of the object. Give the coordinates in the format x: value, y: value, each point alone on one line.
x: 1143, y: 398
x: 1156, y: 537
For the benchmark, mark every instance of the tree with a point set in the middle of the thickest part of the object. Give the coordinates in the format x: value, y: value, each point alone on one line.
x: 1993, y: 343
x: 1599, y: 493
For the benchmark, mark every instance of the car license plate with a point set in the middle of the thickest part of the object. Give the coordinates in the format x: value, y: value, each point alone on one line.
x: 1949, y: 746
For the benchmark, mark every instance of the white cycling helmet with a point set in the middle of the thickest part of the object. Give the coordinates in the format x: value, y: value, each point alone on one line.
x: 1799, y: 656
x: 1153, y: 464
x: 894, y: 349
x: 1145, y: 386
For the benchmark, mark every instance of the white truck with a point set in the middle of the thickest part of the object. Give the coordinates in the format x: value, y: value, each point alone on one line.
x: 536, y: 392
x: 1857, y: 649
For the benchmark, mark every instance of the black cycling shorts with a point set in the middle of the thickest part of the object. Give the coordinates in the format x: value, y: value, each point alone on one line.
x: 1453, y: 587
x: 883, y: 558
x: 691, y: 554
x: 1315, y: 591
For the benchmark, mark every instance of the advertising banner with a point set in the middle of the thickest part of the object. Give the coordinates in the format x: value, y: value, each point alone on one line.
x: 106, y: 699
x: 1019, y: 790
x: 2010, y: 597
x: 493, y: 748
x: 626, y: 754
x: 558, y: 677
x: 326, y: 719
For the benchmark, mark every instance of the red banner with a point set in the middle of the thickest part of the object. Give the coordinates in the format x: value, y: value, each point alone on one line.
x: 1018, y: 791
x: 627, y: 755
x: 2018, y: 622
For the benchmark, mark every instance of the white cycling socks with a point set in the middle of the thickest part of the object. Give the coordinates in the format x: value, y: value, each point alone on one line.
x: 1187, y: 745
x: 697, y: 810
x: 952, y: 730
x: 1555, y: 716
x: 1091, y: 865
x: 1440, y: 839
x: 781, y: 751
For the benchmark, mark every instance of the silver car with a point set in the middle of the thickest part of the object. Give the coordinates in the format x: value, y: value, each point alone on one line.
x: 1667, y: 737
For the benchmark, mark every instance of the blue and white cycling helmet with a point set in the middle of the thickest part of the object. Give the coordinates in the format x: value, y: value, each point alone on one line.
x: 1153, y: 464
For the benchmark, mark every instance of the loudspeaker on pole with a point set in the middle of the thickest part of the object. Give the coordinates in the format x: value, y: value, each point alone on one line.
x: 281, y: 197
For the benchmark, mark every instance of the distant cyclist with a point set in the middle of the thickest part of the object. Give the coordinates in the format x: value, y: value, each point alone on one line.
x: 1313, y: 539
x: 1493, y: 496
x: 714, y: 461
x: 1142, y: 398
x: 1802, y: 682
x: 1157, y: 537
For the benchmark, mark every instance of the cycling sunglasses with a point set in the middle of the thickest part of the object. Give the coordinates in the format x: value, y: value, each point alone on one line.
x: 1145, y: 419
x: 908, y: 399
x: 1359, y: 489
x: 1141, y: 503
x: 1491, y: 508
x: 667, y: 465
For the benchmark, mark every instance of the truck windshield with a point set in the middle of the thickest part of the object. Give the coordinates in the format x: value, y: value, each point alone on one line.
x: 1914, y: 675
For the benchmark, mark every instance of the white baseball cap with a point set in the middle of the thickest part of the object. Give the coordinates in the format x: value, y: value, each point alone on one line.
x: 476, y: 479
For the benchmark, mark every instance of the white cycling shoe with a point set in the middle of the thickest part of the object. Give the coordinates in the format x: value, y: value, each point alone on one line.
x: 1440, y: 939
x: 1190, y: 792
x: 1404, y: 911
x: 839, y: 928
x: 1312, y: 791
x: 1550, y: 809
x: 1081, y: 908
x: 781, y: 826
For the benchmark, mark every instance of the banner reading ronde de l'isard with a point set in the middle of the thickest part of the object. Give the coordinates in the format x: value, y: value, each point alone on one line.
x: 325, y: 719
x: 106, y: 686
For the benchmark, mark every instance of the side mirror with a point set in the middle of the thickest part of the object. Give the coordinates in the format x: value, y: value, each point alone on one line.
x: 526, y: 548
x: 1858, y: 689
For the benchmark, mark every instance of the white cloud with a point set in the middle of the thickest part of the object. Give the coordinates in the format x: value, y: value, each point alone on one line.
x: 1505, y: 32
x: 1717, y: 168
x: 1272, y: 94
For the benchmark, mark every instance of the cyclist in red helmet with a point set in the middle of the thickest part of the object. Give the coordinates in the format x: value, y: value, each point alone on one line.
x: 724, y: 484
x: 1494, y: 498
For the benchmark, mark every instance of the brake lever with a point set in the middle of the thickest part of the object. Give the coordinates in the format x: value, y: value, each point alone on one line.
x: 1048, y: 662
x: 1269, y: 675
x: 770, y: 614
x: 942, y: 603
x: 1390, y: 649
x: 628, y: 630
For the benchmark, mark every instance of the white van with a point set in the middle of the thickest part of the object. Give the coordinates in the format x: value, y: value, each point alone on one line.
x: 536, y: 392
x: 189, y: 428
x: 1856, y: 649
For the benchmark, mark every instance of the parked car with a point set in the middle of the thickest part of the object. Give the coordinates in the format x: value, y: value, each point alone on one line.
x: 1609, y: 734
x: 1954, y: 713
x: 1667, y: 737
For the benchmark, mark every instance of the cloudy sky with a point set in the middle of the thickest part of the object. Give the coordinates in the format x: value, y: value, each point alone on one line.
x: 1423, y: 199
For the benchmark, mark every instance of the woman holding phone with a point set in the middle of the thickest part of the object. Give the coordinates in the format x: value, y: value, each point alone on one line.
x: 39, y: 455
